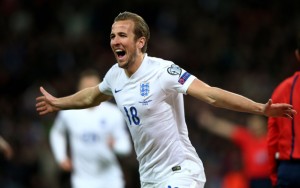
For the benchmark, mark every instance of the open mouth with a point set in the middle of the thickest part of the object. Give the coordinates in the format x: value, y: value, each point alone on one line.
x: 120, y: 53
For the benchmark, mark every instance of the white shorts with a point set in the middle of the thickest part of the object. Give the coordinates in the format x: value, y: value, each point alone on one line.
x: 103, y: 182
x: 190, y: 176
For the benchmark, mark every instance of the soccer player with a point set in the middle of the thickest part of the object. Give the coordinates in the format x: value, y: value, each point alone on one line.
x: 252, y: 141
x: 96, y: 135
x: 149, y: 92
x: 284, y: 134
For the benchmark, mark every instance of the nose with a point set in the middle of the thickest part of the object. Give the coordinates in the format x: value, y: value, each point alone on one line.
x: 115, y: 40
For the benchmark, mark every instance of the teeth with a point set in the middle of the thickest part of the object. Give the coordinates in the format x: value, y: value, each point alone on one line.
x: 118, y: 50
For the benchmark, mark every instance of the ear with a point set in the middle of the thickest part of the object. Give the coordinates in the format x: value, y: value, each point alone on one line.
x: 141, y: 42
x: 297, y: 54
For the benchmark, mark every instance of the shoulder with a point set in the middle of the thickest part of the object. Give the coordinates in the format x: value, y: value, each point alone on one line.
x: 114, y: 72
x: 286, y: 84
x: 165, y: 68
x: 115, y: 69
x: 65, y: 115
x: 69, y: 113
x: 159, y: 62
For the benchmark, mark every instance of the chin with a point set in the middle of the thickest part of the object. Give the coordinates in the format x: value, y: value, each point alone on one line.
x: 123, y: 65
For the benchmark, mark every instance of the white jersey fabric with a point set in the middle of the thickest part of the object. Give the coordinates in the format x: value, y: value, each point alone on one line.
x: 151, y: 101
x: 94, y: 162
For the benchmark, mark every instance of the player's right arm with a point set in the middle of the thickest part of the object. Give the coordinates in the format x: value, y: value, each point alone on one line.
x: 85, y: 98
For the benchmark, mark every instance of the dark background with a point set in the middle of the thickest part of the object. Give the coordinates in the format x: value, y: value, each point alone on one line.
x: 242, y: 46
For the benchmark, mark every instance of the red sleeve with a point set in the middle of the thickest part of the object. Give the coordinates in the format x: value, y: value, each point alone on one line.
x: 272, y: 148
x: 273, y: 133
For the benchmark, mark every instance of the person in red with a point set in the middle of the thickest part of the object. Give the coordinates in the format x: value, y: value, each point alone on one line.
x: 252, y: 141
x: 284, y: 134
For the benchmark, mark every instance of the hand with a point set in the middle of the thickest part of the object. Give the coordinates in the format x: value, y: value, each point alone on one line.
x: 66, y: 165
x: 279, y: 110
x: 45, y: 103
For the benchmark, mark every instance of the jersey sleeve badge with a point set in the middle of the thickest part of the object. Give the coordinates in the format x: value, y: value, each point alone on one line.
x: 174, y: 70
x: 183, y: 78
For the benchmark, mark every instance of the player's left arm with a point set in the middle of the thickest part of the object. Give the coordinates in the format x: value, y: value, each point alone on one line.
x: 232, y: 101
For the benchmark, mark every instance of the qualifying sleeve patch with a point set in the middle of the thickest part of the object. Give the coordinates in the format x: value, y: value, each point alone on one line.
x: 183, y: 78
x: 174, y: 70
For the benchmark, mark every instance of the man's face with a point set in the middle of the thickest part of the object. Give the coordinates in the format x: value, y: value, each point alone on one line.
x: 122, y: 43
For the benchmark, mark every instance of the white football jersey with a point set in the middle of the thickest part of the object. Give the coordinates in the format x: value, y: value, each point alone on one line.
x: 94, y: 162
x: 151, y: 101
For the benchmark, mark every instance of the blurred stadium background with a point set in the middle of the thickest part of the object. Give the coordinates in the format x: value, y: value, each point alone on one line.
x: 242, y: 46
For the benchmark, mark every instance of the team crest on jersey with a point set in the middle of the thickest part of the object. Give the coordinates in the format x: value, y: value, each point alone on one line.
x: 144, y: 89
x: 174, y: 70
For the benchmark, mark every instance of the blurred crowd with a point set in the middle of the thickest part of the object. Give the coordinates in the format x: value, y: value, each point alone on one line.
x: 242, y: 46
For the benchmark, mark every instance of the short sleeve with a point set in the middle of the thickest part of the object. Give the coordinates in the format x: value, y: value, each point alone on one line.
x: 105, y: 85
x: 174, y: 78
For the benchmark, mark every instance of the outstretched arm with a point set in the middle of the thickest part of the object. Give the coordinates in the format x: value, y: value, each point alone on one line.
x: 218, y: 126
x: 225, y: 99
x: 85, y: 98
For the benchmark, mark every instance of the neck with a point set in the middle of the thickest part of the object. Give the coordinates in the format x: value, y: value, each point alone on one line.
x: 131, y: 69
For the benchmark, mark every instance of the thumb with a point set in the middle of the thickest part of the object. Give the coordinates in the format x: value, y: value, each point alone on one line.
x: 44, y: 92
x: 270, y: 102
